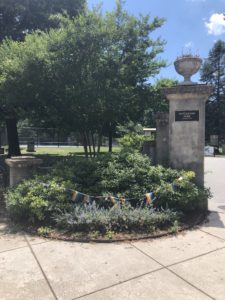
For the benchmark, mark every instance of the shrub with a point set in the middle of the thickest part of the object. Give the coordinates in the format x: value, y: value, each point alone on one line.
x: 117, y: 219
x: 83, y: 173
x: 125, y: 174
x: 183, y: 195
x: 35, y: 200
x: 132, y: 141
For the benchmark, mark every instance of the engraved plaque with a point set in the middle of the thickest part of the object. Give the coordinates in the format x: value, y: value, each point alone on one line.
x: 186, y: 115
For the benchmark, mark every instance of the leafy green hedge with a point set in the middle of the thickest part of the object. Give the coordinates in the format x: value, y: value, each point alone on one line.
x: 127, y: 174
x: 37, y: 199
x: 131, y: 175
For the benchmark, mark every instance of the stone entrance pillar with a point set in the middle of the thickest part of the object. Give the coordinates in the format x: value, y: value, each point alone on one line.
x: 187, y: 119
x: 187, y: 127
x: 162, y: 139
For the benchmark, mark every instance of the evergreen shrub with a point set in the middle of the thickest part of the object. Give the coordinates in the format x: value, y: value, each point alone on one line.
x: 126, y: 174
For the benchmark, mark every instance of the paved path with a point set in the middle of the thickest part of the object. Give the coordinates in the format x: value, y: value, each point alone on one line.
x: 215, y: 179
x: 188, y: 266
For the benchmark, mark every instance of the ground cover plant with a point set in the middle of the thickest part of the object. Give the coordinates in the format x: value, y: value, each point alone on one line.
x: 119, y: 192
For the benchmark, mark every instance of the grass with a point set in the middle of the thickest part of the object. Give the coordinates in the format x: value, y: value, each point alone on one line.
x: 62, y: 151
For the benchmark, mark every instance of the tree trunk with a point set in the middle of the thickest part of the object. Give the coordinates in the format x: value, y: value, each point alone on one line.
x: 93, y: 143
x: 110, y: 139
x: 85, y: 145
x: 58, y: 136
x: 99, y: 142
x: 88, y: 143
x: 13, y: 140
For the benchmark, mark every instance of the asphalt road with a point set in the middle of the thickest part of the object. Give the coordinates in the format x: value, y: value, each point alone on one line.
x: 215, y: 180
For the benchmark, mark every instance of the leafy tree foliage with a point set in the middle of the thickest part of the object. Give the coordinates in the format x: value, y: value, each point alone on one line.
x: 105, y: 84
x: 10, y: 71
x: 17, y: 17
x: 156, y: 101
x: 88, y: 76
x: 213, y: 72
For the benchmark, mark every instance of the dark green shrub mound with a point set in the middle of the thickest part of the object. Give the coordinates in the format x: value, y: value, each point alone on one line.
x: 126, y: 174
x: 131, y: 175
x: 117, y: 219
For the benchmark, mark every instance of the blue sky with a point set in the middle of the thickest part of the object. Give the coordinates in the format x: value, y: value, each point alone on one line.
x: 190, y: 25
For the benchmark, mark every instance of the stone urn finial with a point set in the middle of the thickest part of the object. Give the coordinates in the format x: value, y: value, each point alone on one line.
x: 187, y: 65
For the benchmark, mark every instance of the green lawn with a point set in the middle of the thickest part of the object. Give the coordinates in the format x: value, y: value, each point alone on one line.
x: 62, y: 151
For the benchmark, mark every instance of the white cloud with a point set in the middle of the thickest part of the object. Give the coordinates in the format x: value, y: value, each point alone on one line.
x: 216, y: 24
x: 189, y: 45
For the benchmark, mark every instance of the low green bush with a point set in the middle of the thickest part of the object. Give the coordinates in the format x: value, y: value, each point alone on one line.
x: 131, y: 175
x: 127, y: 174
x: 117, y: 219
x: 182, y: 194
x: 132, y: 141
x: 83, y: 173
x: 35, y: 200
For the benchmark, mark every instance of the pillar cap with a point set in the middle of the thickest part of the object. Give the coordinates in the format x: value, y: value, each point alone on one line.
x: 23, y: 161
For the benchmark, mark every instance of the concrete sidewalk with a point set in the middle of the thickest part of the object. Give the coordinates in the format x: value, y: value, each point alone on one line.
x: 188, y: 266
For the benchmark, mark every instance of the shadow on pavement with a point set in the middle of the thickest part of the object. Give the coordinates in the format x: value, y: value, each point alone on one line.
x: 222, y: 207
x: 214, y: 220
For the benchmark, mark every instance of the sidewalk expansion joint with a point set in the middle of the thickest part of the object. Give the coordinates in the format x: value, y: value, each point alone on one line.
x: 174, y: 273
x: 194, y: 257
x: 18, y: 248
x: 119, y: 283
x: 41, y: 269
x: 13, y: 249
x: 191, y: 284
x: 215, y: 236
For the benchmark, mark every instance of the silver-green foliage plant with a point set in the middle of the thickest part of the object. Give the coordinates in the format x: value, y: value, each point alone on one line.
x: 117, y: 219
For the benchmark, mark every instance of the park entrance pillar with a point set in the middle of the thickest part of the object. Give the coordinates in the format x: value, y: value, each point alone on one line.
x: 187, y: 120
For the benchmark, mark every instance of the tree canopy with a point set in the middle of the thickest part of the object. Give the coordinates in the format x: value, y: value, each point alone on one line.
x: 18, y: 17
x: 213, y: 72
x: 89, y: 75
x: 156, y: 101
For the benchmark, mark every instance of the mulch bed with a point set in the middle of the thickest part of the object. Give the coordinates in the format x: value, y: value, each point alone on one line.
x: 190, y: 221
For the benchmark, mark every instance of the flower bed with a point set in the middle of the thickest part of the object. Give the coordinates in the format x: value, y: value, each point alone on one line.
x: 116, y: 193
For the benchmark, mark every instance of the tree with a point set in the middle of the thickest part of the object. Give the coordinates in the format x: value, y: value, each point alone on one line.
x: 105, y: 84
x: 17, y: 18
x: 131, y: 60
x: 213, y: 72
x: 156, y: 102
x: 89, y: 75
x: 9, y: 73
